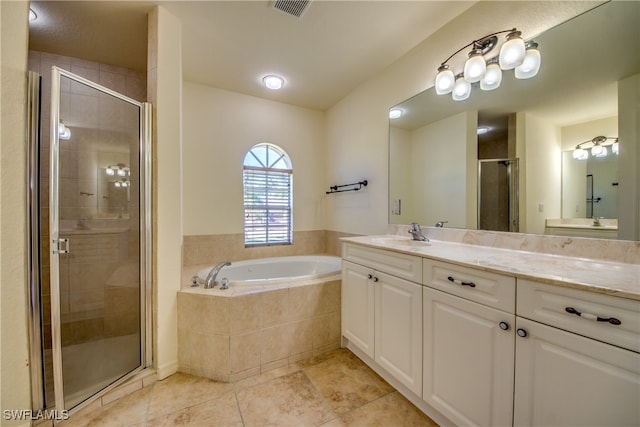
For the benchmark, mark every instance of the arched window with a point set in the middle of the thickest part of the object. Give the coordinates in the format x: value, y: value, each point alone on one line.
x: 268, y: 196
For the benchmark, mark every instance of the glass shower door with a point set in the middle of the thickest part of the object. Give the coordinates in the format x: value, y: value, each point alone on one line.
x: 98, y: 289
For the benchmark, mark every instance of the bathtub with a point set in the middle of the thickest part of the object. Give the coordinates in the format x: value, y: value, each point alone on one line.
x: 265, y: 271
x: 276, y: 312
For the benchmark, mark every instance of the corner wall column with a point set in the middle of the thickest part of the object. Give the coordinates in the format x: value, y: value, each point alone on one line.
x: 164, y: 90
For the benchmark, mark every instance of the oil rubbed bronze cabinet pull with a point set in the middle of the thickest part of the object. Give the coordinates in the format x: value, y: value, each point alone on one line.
x: 460, y: 282
x: 589, y: 316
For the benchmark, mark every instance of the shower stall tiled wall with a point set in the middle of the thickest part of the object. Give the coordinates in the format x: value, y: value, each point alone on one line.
x: 99, y: 285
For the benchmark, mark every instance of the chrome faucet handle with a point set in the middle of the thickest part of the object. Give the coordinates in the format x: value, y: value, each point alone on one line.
x: 194, y: 282
x: 440, y: 224
x: 224, y: 283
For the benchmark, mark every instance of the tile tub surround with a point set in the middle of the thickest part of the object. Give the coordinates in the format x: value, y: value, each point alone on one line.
x: 608, y: 277
x: 212, y: 248
x: 243, y: 331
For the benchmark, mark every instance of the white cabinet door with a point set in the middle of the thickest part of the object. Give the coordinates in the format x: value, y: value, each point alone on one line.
x: 565, y: 379
x: 468, y: 360
x: 398, y: 322
x: 358, y: 306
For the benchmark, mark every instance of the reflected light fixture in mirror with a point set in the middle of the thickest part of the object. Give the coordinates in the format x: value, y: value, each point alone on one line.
x: 513, y: 54
x: 395, y: 113
x: 63, y: 131
x: 273, y: 82
x: 120, y: 170
x: 598, y: 147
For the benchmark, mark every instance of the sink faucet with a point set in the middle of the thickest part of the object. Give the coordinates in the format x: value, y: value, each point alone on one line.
x: 416, y: 232
x: 596, y: 221
x: 210, y: 281
x: 440, y: 224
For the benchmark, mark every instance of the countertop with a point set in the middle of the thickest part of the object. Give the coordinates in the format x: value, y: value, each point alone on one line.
x: 612, y: 278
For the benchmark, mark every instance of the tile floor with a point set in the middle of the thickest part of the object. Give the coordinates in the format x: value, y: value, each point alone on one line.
x: 332, y: 390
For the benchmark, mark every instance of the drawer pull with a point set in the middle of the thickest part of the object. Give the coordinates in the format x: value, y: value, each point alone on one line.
x: 470, y: 284
x: 504, y: 326
x: 589, y: 316
x: 372, y: 277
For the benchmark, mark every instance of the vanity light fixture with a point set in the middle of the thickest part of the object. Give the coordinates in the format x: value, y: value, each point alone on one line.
x: 120, y: 170
x: 514, y: 54
x: 395, y: 113
x: 598, y: 146
x: 123, y: 183
x: 273, y: 82
x: 63, y: 131
x: 483, y: 130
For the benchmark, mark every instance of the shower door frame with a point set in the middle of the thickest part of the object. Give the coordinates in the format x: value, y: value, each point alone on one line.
x: 144, y: 149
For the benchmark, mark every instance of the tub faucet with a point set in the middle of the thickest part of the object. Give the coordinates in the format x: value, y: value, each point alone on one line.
x: 210, y: 281
x: 416, y: 232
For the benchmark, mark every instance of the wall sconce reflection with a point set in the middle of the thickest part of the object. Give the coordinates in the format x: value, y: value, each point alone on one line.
x: 118, y: 170
x: 63, y: 131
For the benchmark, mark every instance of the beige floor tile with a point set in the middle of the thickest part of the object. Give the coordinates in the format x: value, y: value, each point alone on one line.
x: 181, y: 390
x: 345, y: 381
x: 222, y: 411
x: 392, y: 410
x: 127, y: 411
x: 267, y: 376
x: 290, y: 400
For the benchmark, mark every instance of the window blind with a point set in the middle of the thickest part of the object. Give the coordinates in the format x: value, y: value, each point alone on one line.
x: 267, y: 206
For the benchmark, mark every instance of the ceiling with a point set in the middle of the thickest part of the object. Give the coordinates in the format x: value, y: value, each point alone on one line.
x: 323, y: 55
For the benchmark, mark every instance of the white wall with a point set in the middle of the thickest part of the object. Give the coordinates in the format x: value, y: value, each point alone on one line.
x: 439, y: 174
x: 542, y: 174
x: 219, y: 129
x: 14, y: 356
x: 629, y: 133
x: 357, y: 127
x: 165, y: 92
x: 401, y: 184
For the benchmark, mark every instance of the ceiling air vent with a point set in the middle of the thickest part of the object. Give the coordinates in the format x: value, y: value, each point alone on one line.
x: 292, y: 7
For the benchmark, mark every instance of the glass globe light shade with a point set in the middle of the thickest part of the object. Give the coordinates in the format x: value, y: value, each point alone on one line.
x: 273, y: 82
x: 530, y: 65
x: 444, y: 80
x: 492, y: 77
x: 461, y: 89
x: 109, y: 171
x: 474, y: 67
x: 395, y: 113
x: 598, y: 151
x: 121, y: 172
x: 512, y: 51
x: 580, y: 154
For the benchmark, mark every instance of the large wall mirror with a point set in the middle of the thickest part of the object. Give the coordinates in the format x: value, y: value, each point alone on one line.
x: 520, y: 175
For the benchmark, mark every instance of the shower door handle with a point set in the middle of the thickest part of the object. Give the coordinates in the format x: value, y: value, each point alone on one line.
x: 60, y: 246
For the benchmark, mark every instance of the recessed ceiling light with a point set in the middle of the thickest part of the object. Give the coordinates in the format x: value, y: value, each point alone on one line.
x: 395, y: 113
x: 32, y: 15
x: 273, y: 82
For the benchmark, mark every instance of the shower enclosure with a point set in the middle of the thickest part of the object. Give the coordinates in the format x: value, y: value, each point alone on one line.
x: 90, y: 242
x: 498, y: 195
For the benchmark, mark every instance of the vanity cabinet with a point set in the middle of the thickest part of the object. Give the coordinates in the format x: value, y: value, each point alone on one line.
x: 468, y: 344
x: 382, y: 313
x: 577, y: 360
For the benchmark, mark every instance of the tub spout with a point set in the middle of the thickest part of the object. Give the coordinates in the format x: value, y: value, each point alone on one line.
x: 210, y: 281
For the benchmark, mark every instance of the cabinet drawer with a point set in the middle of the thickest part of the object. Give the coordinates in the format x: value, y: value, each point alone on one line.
x: 491, y: 289
x: 400, y: 265
x: 549, y: 304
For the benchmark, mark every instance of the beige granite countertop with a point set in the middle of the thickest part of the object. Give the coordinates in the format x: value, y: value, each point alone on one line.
x: 607, y: 277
